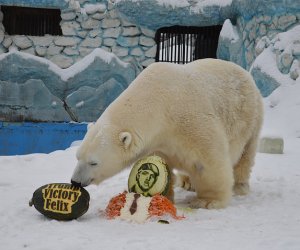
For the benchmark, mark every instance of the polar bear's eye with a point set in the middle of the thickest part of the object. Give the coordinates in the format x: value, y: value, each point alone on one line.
x: 93, y: 164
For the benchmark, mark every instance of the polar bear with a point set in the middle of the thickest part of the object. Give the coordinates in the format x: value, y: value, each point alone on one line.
x: 203, y: 118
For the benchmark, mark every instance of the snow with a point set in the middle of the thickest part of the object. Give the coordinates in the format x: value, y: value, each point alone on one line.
x: 286, y: 39
x: 229, y: 31
x: 267, y: 218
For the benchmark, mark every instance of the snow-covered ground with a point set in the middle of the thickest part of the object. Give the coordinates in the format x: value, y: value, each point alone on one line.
x: 268, y: 218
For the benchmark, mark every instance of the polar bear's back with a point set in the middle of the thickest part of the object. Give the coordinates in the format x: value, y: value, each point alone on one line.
x: 189, y: 95
x: 205, y: 76
x: 210, y: 83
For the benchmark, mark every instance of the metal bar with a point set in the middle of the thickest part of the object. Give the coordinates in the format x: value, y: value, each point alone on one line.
x: 184, y: 44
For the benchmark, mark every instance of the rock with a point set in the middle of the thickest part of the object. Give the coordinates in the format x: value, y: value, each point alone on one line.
x: 120, y: 51
x: 90, y: 24
x: 1, y: 16
x: 13, y: 64
x: 146, y: 41
x: 151, y: 52
x: 261, y: 45
x: 267, y: 19
x: 110, y: 23
x: 68, y: 16
x: 71, y: 51
x: 249, y: 57
x: 284, y: 62
x: 148, y: 32
x: 7, y: 41
x: 126, y: 23
x: 108, y: 49
x: 271, y: 145
x: 49, y: 89
x: 22, y: 42
x: 91, y: 9
x: 66, y: 41
x: 295, y: 69
x: 2, y: 50
x: 262, y: 29
x: 94, y: 33
x: 99, y: 16
x: 82, y: 34
x: 42, y: 40
x: 54, y: 50
x: 112, y: 32
x: 265, y: 83
x: 70, y: 28
x: 252, y: 34
x: 74, y: 5
x: 113, y: 14
x: 111, y: 5
x: 103, y: 67
x: 147, y: 62
x: 131, y: 31
x: 1, y: 35
x: 88, y: 103
x: 62, y: 61
x: 41, y: 51
x: 127, y: 41
x: 137, y: 52
x: 30, y: 51
x: 296, y: 48
x: 31, y: 99
x: 286, y: 21
x: 82, y: 18
x: 91, y: 42
x: 109, y: 42
x: 84, y: 51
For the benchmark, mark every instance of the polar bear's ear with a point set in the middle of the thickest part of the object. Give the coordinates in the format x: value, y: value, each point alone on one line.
x: 125, y: 138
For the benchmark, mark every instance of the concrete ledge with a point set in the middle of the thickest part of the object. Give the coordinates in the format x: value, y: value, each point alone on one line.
x: 271, y: 145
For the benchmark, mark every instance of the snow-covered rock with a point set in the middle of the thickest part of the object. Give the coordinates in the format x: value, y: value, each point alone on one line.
x: 282, y: 62
x: 93, y: 71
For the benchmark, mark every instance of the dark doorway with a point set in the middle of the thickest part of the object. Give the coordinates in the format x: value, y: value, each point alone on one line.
x: 31, y: 21
x: 180, y: 44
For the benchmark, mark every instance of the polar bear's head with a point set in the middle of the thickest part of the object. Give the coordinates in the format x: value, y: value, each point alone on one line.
x: 105, y: 151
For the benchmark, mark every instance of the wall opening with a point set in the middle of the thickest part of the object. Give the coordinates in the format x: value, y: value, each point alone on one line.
x: 31, y: 21
x: 181, y: 44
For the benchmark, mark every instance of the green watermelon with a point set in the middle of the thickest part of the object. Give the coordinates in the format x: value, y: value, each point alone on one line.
x: 61, y: 201
x: 149, y: 176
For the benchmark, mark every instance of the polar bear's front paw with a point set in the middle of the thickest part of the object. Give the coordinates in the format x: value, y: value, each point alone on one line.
x: 241, y: 188
x: 208, y: 204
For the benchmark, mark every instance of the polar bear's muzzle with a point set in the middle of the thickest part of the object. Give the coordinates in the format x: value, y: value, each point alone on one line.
x: 81, y: 184
x: 81, y: 177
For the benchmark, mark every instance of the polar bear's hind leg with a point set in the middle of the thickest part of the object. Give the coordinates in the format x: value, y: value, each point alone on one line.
x: 243, y: 168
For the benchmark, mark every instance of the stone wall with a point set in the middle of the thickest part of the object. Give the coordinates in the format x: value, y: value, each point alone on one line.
x: 94, y: 30
x: 84, y: 28
x: 250, y: 37
x: 260, y: 30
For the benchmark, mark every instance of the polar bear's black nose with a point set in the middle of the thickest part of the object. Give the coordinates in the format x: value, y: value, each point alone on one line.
x: 76, y: 184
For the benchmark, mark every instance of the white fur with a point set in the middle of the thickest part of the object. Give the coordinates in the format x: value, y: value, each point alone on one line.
x: 203, y: 118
